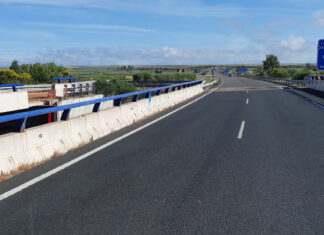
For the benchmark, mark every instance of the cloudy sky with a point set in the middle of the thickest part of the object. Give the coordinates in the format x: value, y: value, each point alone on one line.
x: 110, y: 32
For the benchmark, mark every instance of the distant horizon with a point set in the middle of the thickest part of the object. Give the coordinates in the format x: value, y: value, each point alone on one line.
x: 161, y: 65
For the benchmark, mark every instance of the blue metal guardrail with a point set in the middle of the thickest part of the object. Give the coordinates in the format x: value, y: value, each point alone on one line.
x: 59, y: 80
x: 160, y: 82
x: 22, y: 117
x: 14, y: 86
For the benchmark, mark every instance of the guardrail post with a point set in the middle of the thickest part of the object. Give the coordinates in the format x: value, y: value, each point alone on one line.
x: 158, y: 92
x: 65, y: 115
x: 147, y: 95
x: 166, y: 90
x: 179, y: 87
x: 96, y: 107
x: 73, y: 87
x: 118, y: 102
x: 135, y: 98
x: 14, y: 88
x: 21, y: 124
x: 174, y: 88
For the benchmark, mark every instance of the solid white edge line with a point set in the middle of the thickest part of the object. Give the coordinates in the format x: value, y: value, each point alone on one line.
x: 240, y: 134
x: 247, y: 100
x: 67, y: 164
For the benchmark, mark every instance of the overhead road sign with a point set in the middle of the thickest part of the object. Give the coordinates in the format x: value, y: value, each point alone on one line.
x: 226, y: 71
x: 320, y: 55
x: 242, y: 70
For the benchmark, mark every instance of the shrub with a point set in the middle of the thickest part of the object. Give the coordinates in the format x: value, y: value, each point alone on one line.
x: 281, y: 73
x: 258, y: 71
x: 175, y: 77
x: 143, y: 76
x: 8, y: 76
x: 113, y: 86
x: 300, y: 74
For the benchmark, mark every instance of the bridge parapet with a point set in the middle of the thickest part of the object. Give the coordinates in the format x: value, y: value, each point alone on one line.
x: 43, y: 142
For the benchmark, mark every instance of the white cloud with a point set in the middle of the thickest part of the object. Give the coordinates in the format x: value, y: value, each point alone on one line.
x: 293, y: 43
x: 166, y: 7
x: 110, y: 56
x: 319, y: 17
x: 168, y: 55
x: 294, y: 49
x: 94, y: 27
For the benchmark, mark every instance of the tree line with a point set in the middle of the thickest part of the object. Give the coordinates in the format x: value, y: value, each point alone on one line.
x: 32, y: 73
x: 175, y: 76
x: 271, y: 67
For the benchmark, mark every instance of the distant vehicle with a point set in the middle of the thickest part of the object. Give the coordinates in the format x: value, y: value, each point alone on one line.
x: 230, y: 75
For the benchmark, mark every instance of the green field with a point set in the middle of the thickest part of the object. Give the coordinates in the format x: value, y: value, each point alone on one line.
x: 126, y: 72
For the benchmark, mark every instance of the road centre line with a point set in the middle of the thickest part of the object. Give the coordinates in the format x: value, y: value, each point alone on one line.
x: 240, y: 134
x: 88, y: 154
x: 247, y: 100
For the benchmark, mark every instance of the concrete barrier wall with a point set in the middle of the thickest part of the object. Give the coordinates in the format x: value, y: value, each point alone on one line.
x: 316, y: 85
x: 13, y: 101
x: 43, y: 142
x: 77, y: 112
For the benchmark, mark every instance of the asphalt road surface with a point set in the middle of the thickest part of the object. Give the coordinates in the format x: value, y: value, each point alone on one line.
x: 246, y: 159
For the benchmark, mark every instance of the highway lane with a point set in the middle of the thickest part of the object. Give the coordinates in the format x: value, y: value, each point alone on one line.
x: 190, y: 174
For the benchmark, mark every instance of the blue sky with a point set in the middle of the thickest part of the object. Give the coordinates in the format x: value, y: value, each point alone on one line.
x: 111, y: 32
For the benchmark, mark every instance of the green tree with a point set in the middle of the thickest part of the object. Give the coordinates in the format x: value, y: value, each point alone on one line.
x: 43, y: 73
x: 271, y: 63
x: 25, y: 68
x: 15, y: 66
x: 113, y: 86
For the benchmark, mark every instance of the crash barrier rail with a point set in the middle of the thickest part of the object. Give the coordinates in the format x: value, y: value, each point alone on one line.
x: 81, y: 88
x: 151, y: 83
x: 13, y: 86
x: 315, y: 77
x: 59, y: 80
x: 77, y: 88
x: 117, y: 100
x: 294, y: 83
